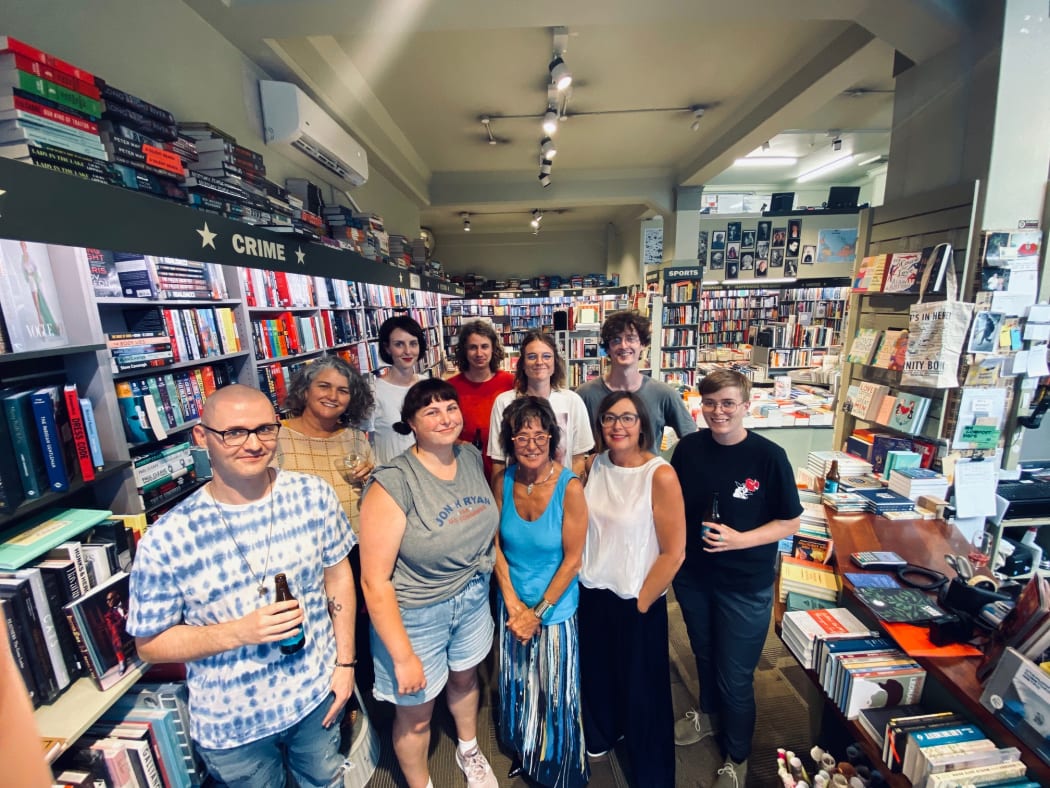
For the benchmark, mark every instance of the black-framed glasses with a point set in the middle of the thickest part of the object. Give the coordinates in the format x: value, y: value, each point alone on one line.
x: 727, y: 405
x: 523, y: 441
x: 626, y: 419
x: 238, y: 436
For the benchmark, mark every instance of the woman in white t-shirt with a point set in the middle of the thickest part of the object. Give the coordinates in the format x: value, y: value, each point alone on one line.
x: 401, y: 343
x: 541, y: 373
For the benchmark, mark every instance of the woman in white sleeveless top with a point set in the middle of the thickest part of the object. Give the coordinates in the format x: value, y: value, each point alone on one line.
x: 635, y: 544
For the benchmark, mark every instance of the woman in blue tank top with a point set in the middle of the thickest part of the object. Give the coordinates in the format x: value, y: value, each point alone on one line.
x: 543, y: 525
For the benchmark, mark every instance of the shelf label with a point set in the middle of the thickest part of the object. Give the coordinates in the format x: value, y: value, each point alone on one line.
x: 590, y: 292
x: 981, y: 436
x: 557, y: 294
x: 413, y: 281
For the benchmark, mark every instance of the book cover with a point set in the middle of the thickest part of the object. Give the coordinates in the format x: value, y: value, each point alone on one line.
x: 19, y: 649
x: 909, y: 412
x: 79, y: 432
x: 932, y: 736
x: 164, y: 727
x: 903, y: 273
x: 44, y: 531
x: 35, y: 579
x: 18, y: 412
x: 908, y: 605
x: 812, y: 548
x: 29, y: 299
x: 869, y: 275
x: 882, y: 444
x: 892, y: 349
x: 104, y: 279
x: 865, y: 343
x: 19, y: 592
x: 52, y: 427
x: 99, y: 619
x: 874, y: 721
x: 1018, y: 695
x: 11, y: 494
x: 889, y: 687
x: 869, y: 398
x: 87, y: 410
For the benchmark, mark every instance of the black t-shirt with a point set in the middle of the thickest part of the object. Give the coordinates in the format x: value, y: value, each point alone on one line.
x: 755, y: 484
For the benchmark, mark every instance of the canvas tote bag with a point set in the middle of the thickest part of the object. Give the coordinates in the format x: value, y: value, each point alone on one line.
x: 937, y: 330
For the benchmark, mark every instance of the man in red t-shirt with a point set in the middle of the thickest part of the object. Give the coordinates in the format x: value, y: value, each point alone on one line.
x: 479, y: 382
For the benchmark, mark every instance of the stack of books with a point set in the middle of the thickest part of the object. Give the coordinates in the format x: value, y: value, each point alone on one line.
x: 1026, y: 628
x: 915, y: 482
x: 867, y: 672
x: 814, y: 520
x: 804, y: 630
x: 884, y: 501
x: 845, y: 502
x: 865, y: 481
x: 819, y: 462
x: 807, y: 585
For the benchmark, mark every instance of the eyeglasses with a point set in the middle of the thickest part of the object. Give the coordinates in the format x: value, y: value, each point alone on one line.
x: 238, y: 436
x: 626, y: 419
x: 523, y: 441
x: 532, y: 358
x: 728, y: 405
x: 626, y: 339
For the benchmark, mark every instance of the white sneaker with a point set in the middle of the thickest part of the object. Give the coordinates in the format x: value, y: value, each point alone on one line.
x: 693, y: 727
x: 476, y: 767
x: 732, y: 774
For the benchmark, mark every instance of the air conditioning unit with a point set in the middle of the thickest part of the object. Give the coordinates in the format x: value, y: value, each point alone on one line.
x: 290, y: 117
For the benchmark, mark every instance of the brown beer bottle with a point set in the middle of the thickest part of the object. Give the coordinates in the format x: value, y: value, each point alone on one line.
x: 831, y: 481
x: 295, y: 642
x: 713, y: 514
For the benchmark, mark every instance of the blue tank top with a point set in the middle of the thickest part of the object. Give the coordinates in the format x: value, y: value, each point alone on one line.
x: 534, y: 549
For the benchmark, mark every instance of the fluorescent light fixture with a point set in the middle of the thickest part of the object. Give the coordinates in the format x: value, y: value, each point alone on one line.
x: 545, y: 180
x: 870, y: 160
x: 834, y: 164
x: 547, y: 148
x: 561, y: 77
x: 550, y: 120
x: 766, y: 161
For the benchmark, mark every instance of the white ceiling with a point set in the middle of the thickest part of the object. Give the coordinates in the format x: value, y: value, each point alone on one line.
x: 410, y: 78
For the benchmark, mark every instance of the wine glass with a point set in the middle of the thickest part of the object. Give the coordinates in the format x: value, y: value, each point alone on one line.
x: 358, y: 455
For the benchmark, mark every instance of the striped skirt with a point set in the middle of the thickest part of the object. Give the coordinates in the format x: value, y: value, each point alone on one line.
x: 539, y: 690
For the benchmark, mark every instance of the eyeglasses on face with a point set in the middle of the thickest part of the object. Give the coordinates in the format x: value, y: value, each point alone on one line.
x: 626, y: 419
x: 523, y: 441
x: 625, y: 339
x: 532, y: 358
x: 238, y: 436
x: 727, y: 405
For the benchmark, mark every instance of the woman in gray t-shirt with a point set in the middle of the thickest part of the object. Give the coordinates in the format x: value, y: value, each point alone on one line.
x: 428, y: 523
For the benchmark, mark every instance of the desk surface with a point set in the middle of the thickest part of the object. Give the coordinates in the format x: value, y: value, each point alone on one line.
x: 925, y: 543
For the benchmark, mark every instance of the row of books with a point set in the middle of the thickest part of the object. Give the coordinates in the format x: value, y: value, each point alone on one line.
x: 127, y: 275
x: 586, y: 347
x: 878, y: 500
x: 166, y: 473
x: 939, y: 749
x: 805, y: 581
x: 678, y: 337
x: 875, y: 447
x: 48, y: 439
x: 159, y: 336
x: 154, y: 405
x: 884, y: 349
x: 900, y: 272
x: 287, y: 334
x: 793, y: 334
x: 875, y: 402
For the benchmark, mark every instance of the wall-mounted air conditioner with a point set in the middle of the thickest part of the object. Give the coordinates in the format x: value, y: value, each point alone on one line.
x: 290, y: 117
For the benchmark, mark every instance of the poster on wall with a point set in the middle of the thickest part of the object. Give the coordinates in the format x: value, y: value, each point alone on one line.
x: 732, y: 269
x: 733, y: 232
x: 733, y: 252
x: 701, y: 247
x: 747, y: 240
x: 718, y: 259
x: 791, y: 267
x: 764, y: 229
x: 776, y: 258
x: 837, y: 246
x: 653, y: 246
x: 747, y: 260
x: 718, y: 240
x: 809, y: 255
x: 780, y: 235
x: 762, y: 250
x: 761, y: 267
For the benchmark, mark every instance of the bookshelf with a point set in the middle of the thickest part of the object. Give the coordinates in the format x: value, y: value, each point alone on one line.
x: 678, y: 337
x: 820, y: 304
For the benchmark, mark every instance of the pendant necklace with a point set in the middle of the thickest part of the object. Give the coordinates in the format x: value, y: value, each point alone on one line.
x: 528, y: 487
x: 260, y: 579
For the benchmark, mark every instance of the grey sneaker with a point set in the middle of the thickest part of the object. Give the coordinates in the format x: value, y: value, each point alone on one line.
x: 476, y: 766
x: 694, y: 726
x: 732, y: 775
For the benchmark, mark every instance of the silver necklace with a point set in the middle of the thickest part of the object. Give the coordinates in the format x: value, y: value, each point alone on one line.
x: 260, y: 579
x: 528, y: 487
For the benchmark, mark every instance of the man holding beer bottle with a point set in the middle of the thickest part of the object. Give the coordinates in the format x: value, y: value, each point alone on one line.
x: 268, y: 679
x: 725, y: 586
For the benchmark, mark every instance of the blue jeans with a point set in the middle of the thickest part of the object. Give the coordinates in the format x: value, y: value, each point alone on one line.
x: 310, y: 751
x: 727, y: 630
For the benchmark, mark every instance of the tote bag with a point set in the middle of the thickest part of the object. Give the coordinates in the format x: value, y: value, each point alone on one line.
x: 936, y: 331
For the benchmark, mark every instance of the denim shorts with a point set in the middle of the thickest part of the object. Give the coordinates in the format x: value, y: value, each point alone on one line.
x: 452, y: 635
x: 312, y: 754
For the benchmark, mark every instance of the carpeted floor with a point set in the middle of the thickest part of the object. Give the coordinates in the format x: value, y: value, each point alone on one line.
x: 783, y: 721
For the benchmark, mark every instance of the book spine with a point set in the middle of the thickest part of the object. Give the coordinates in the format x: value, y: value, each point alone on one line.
x: 23, y: 438
x: 82, y: 644
x: 47, y: 625
x: 43, y: 672
x: 20, y: 48
x: 80, y: 439
x: 47, y: 430
x: 49, y: 90
x: 57, y: 595
x: 19, y: 649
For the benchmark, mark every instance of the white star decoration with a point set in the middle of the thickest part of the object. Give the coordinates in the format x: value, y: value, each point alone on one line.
x: 207, y: 237
x: 300, y: 255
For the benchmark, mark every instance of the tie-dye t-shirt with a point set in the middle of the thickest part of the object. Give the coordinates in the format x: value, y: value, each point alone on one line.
x: 189, y: 570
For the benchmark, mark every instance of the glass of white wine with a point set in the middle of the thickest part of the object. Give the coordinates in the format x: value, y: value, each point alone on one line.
x: 359, y: 455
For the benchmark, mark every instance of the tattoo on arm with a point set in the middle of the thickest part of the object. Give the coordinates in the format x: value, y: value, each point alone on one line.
x: 334, y: 606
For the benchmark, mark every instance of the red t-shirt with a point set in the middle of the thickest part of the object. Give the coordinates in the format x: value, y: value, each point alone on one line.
x: 475, y: 400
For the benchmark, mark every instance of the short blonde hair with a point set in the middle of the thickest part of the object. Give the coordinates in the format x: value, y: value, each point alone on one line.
x: 724, y: 379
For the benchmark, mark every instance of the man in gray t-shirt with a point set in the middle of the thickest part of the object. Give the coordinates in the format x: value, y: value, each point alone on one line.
x: 624, y: 334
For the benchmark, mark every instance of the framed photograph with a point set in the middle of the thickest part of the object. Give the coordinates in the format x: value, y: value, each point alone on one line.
x: 795, y: 230
x: 718, y: 239
x: 764, y: 230
x: 837, y: 246
x: 747, y: 240
x: 984, y: 333
x: 762, y: 249
x: 762, y: 267
x: 718, y: 259
x: 733, y: 251
x: 793, y: 247
x: 747, y: 260
x: 732, y: 269
x: 733, y: 232
x: 809, y: 255
x: 780, y: 235
x: 701, y: 246
x: 996, y: 279
x: 653, y: 246
x: 791, y: 267
x: 776, y: 258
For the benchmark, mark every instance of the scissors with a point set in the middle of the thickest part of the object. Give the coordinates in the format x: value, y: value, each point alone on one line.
x: 962, y: 566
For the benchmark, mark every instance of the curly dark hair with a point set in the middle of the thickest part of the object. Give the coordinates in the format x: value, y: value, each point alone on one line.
x: 361, y: 400
x: 521, y: 380
x: 419, y: 396
x: 619, y: 322
x: 406, y: 324
x: 520, y: 412
x: 483, y: 329
x: 645, y: 424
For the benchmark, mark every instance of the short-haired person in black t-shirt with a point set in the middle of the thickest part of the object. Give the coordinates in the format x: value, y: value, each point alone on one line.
x: 725, y: 586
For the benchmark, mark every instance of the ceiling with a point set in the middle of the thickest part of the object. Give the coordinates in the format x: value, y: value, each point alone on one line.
x: 410, y: 79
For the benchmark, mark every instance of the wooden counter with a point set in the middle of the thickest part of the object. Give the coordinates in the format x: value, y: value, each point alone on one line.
x: 925, y: 543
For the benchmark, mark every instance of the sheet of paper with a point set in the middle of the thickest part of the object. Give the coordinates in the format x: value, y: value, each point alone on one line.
x: 1037, y: 361
x: 1024, y: 276
x: 980, y: 408
x: 1019, y: 363
x: 1012, y: 303
x: 1037, y: 332
x: 1039, y: 313
x: 975, y: 482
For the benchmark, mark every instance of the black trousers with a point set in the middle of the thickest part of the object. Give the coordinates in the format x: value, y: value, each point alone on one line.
x: 625, y: 683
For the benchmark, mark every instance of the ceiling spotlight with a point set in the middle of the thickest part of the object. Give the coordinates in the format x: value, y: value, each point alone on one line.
x: 836, y: 144
x: 545, y: 166
x: 560, y: 74
x: 545, y: 180
x: 466, y: 221
x: 537, y: 217
x: 550, y: 120
x: 486, y: 121
x: 547, y: 148
x: 698, y: 112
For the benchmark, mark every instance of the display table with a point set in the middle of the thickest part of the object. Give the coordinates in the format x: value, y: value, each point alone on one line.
x: 952, y: 682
